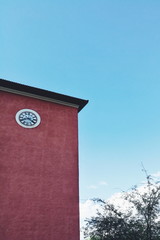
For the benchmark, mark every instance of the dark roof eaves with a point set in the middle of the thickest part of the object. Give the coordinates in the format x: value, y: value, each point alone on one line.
x: 43, y: 93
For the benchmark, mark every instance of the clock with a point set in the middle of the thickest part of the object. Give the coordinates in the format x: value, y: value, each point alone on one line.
x: 28, y: 118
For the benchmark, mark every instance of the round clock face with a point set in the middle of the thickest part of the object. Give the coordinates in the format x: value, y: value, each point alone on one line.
x: 28, y: 118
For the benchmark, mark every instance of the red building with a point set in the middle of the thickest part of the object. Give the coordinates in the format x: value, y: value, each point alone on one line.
x: 39, y: 197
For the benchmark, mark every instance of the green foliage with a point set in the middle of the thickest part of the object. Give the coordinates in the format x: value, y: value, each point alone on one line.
x: 141, y: 220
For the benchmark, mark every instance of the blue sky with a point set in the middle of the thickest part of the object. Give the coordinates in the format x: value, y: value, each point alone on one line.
x: 107, y: 51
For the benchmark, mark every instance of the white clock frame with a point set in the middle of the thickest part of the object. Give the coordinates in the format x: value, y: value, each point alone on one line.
x: 28, y: 110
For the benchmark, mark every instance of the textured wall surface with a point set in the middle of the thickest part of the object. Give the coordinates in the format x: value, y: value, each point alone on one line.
x: 38, y: 172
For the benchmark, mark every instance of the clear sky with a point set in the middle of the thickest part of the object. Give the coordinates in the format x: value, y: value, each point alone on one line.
x: 107, y: 51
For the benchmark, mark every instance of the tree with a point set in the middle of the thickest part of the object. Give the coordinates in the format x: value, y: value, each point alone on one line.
x: 140, y: 221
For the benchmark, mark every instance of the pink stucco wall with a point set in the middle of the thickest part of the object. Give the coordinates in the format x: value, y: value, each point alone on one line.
x: 38, y: 172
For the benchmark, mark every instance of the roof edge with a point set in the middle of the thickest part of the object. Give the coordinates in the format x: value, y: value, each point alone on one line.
x: 42, y: 94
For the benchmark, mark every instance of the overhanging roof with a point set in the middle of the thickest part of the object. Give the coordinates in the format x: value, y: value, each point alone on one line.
x: 25, y: 90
